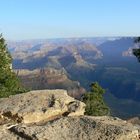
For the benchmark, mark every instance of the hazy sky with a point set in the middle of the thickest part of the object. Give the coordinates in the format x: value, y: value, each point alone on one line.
x: 30, y: 19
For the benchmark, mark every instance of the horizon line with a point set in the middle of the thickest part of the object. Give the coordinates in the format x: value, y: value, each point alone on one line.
x: 51, y: 38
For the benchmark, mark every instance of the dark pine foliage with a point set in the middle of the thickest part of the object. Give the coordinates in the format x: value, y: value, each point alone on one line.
x: 9, y: 83
x: 136, y: 52
x: 95, y: 104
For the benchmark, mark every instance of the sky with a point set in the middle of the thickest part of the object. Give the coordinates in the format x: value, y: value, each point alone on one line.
x: 38, y: 19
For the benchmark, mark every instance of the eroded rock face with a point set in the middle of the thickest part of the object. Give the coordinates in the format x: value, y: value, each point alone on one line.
x: 36, y: 106
x: 50, y: 78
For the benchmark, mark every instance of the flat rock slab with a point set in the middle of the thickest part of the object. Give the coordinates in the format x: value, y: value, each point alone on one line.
x: 78, y: 128
x: 37, y: 106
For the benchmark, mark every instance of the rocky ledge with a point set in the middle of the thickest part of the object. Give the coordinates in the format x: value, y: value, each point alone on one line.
x: 53, y: 115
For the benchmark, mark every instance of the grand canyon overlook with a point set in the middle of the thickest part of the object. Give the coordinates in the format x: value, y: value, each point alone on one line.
x: 52, y: 114
x: 77, y: 62
x: 69, y: 70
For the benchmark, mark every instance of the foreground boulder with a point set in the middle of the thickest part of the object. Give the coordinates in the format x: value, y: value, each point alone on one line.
x: 53, y: 115
x: 37, y: 106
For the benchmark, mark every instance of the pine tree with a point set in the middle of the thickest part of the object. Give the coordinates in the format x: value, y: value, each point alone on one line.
x: 136, y: 52
x: 9, y: 83
x: 95, y: 104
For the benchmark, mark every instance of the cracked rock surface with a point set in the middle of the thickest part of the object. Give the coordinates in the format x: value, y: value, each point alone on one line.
x: 72, y: 128
x: 43, y: 105
x: 53, y: 115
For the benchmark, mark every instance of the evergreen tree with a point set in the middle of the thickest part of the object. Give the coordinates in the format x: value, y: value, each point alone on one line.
x: 95, y: 104
x: 9, y: 83
x: 136, y: 52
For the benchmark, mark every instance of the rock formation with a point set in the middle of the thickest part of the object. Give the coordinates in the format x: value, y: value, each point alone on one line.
x: 134, y: 120
x: 50, y: 78
x: 53, y: 115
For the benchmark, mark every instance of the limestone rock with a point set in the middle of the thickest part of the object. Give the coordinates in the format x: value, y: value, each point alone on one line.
x: 53, y: 115
x: 79, y: 128
x: 5, y: 134
x: 43, y: 105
